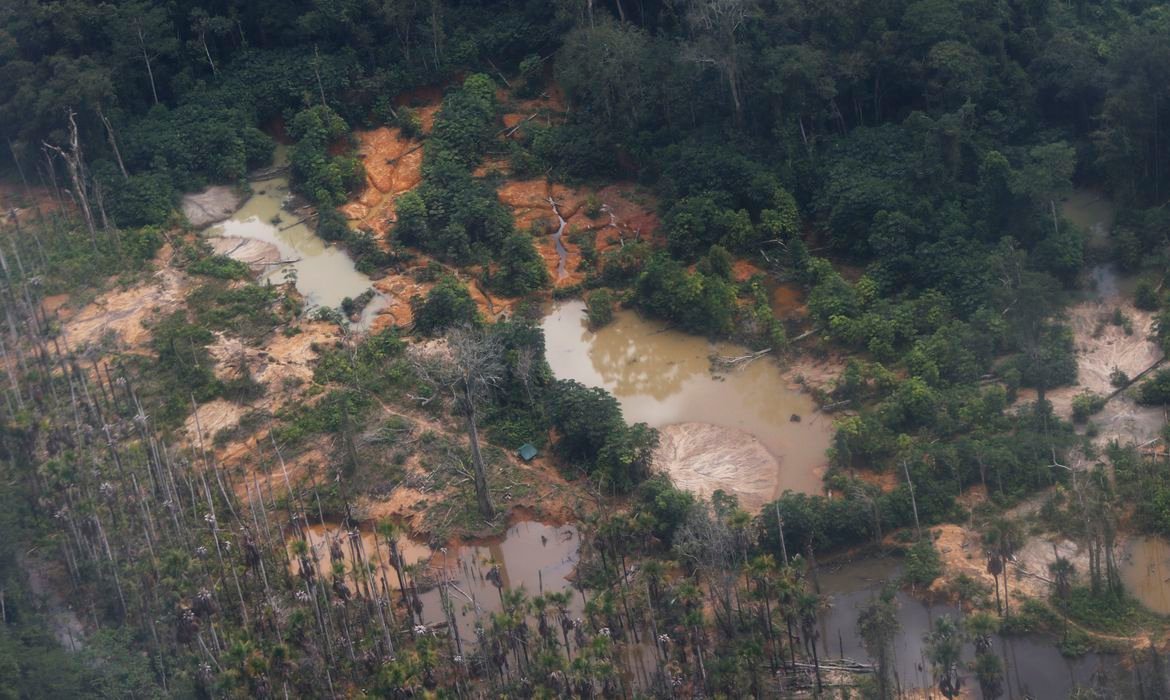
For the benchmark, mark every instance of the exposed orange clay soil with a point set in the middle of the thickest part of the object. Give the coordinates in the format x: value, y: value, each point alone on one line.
x: 817, y: 372
x: 962, y: 552
x: 422, y: 510
x: 743, y: 270
x: 546, y: 109
x: 788, y: 302
x: 211, y: 418
x: 532, y: 211
x: 425, y: 102
x: 393, y: 165
x: 619, y: 219
x: 284, y: 365
x: 399, y: 288
x: 493, y: 164
x: 886, y: 481
x: 628, y: 213
x: 55, y: 304
x: 264, y: 473
x: 19, y: 207
x: 122, y: 313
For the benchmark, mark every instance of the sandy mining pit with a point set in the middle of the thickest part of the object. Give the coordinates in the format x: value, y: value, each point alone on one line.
x: 258, y: 255
x: 210, y: 206
x: 1102, y: 347
x: 704, y: 458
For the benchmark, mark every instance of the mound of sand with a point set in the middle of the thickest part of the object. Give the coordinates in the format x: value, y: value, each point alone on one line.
x: 210, y: 206
x: 702, y: 458
x: 256, y: 254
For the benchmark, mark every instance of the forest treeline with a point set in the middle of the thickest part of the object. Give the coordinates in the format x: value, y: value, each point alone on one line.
x: 901, y: 162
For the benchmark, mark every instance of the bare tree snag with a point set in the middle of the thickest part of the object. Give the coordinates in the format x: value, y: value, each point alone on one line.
x: 113, y: 142
x: 76, y: 166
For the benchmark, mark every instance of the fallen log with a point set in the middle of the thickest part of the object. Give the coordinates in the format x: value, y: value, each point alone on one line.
x: 727, y: 362
x: 395, y: 159
x: 298, y: 222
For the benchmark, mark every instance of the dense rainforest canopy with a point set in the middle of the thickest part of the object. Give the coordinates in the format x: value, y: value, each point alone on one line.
x: 900, y: 162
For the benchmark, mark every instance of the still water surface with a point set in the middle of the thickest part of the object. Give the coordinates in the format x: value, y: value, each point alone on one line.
x: 324, y: 273
x: 662, y: 377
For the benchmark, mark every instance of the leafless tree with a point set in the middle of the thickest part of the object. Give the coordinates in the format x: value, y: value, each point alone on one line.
x: 76, y: 166
x: 470, y: 369
x: 716, y: 25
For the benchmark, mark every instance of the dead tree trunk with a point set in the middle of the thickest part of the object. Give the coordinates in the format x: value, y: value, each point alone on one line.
x: 76, y: 166
x: 483, y: 496
x: 146, y: 60
x: 113, y: 142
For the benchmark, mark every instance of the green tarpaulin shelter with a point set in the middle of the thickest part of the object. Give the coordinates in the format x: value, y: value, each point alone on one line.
x: 527, y: 451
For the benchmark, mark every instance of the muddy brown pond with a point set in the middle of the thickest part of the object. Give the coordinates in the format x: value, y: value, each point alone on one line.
x: 1145, y: 572
x: 1033, y: 666
x: 536, y: 557
x: 541, y: 558
x: 324, y: 274
x: 663, y: 378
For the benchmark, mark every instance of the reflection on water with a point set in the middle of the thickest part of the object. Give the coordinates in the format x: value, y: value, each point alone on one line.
x: 1093, y: 212
x: 662, y: 377
x: 1145, y: 571
x: 325, y: 274
x: 1033, y: 666
x: 536, y: 557
x: 326, y: 541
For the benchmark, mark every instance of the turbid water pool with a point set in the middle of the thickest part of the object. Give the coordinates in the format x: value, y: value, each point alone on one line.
x: 323, y: 273
x: 1033, y: 665
x: 663, y: 377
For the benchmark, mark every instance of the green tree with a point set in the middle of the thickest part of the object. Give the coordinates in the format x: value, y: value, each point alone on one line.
x: 944, y: 648
x: 521, y: 268
x: 448, y: 304
x: 878, y: 625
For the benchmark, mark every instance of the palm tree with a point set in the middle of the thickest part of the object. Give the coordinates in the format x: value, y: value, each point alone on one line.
x: 808, y: 607
x: 390, y: 532
x: 878, y: 625
x: 1002, y: 539
x: 1063, y: 571
x: 944, y: 647
x: 789, y: 588
x: 989, y: 673
x: 762, y: 571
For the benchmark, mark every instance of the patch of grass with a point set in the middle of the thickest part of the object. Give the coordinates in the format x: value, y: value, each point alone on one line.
x: 1105, y: 612
x: 249, y: 423
x: 244, y: 311
x: 1031, y: 616
x: 220, y: 267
